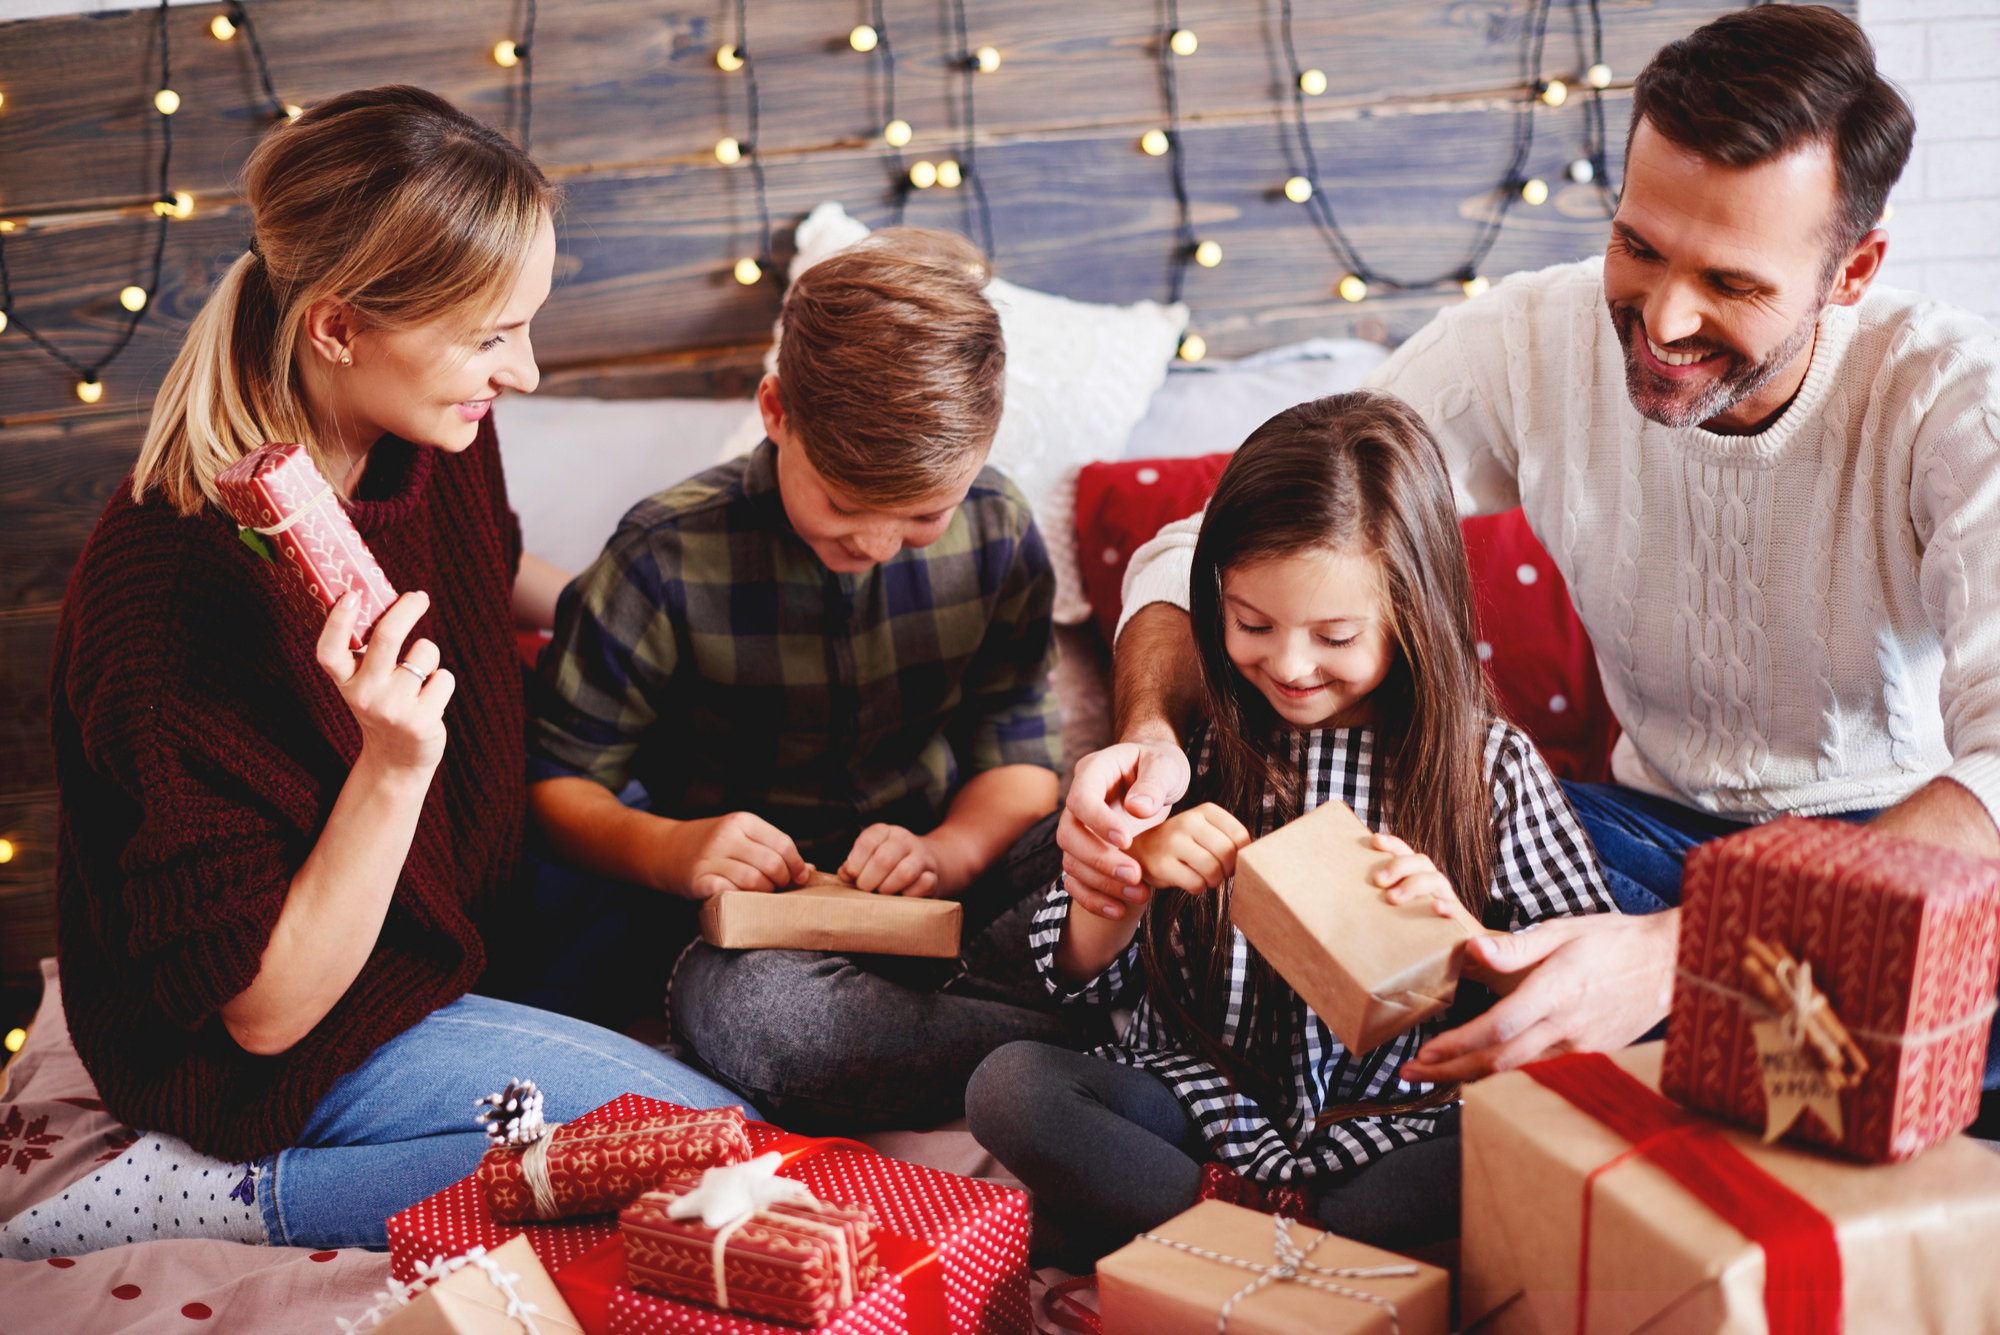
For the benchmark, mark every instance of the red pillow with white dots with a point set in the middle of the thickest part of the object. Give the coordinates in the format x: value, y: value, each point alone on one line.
x: 1541, y: 664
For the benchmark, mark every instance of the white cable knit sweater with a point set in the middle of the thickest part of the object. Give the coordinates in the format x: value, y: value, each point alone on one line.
x: 1805, y: 620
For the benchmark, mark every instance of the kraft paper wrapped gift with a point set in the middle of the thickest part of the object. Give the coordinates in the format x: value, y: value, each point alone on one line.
x: 1835, y: 985
x: 471, y: 1299
x: 292, y: 517
x: 1160, y: 1284
x: 1370, y: 969
x: 1910, y: 1245
x: 827, y: 915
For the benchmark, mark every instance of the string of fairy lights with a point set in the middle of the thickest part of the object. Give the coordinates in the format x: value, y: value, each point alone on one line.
x: 959, y: 170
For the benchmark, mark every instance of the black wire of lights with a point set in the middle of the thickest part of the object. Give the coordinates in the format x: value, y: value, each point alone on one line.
x: 167, y: 205
x: 873, y: 37
x: 1306, y: 188
x: 1176, y: 42
x: 971, y: 65
x: 226, y: 26
x: 735, y: 59
x: 512, y: 52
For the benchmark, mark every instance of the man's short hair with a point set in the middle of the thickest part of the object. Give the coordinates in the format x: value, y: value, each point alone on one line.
x: 891, y: 367
x: 1756, y: 84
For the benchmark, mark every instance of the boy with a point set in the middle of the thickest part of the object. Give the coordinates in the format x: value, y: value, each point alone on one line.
x: 830, y: 654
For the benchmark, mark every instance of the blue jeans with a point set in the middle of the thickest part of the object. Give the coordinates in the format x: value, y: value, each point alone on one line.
x: 401, y: 1125
x: 1642, y: 840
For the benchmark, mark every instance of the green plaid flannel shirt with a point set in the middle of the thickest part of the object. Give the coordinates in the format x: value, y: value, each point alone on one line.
x: 708, y: 654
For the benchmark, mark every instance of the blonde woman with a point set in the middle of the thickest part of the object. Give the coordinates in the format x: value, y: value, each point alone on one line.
x: 276, y: 855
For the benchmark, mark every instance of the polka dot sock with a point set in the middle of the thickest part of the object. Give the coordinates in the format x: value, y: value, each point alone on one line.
x: 160, y: 1187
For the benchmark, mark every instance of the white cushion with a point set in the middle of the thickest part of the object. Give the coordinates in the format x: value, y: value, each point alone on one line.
x: 1210, y: 407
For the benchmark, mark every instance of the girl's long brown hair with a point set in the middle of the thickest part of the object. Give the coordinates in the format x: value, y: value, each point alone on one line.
x: 1354, y: 473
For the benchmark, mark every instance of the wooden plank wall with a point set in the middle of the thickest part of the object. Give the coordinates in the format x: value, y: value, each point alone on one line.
x: 628, y: 104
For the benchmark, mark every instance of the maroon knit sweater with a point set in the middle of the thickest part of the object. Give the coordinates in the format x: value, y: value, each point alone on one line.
x: 199, y: 748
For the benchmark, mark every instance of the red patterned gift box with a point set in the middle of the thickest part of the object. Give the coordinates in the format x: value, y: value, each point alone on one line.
x: 956, y: 1248
x: 600, y: 1167
x: 277, y: 494
x: 1902, y: 941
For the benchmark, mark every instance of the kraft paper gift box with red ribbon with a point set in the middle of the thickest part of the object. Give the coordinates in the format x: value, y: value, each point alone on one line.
x: 1222, y: 1268
x: 1593, y: 1205
x: 1836, y: 985
x: 536, y: 1171
x: 954, y: 1250
x: 292, y: 517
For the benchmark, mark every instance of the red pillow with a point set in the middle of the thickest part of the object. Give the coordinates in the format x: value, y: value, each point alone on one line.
x: 1541, y: 666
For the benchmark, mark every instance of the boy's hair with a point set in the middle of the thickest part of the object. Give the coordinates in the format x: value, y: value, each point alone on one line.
x: 1354, y: 473
x: 891, y: 367
x: 1756, y: 84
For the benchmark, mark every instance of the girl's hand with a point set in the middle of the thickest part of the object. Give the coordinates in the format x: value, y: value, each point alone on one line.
x: 1193, y: 850
x: 1411, y: 878
x: 397, y: 698
x: 740, y: 851
x: 889, y: 860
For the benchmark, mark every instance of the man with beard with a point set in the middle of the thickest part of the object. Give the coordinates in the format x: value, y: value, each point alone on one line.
x: 1774, y: 492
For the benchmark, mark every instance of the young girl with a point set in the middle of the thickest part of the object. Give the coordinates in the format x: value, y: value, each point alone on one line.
x: 1331, y: 606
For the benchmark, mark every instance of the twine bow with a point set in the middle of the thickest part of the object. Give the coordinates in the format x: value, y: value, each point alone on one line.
x: 730, y: 1197
x: 1291, y: 1267
x: 513, y: 1117
x: 1806, y: 1019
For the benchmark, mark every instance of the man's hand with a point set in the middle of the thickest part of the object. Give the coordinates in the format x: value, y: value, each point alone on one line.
x: 1115, y: 795
x: 1590, y: 984
x: 889, y: 860
x: 739, y: 851
x: 1193, y: 851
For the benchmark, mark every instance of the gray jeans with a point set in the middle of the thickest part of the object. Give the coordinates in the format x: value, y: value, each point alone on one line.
x: 829, y: 1043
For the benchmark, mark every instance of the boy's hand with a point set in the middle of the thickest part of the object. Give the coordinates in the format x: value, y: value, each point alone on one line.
x: 734, y: 852
x: 889, y: 860
x: 1193, y: 850
x: 1411, y: 878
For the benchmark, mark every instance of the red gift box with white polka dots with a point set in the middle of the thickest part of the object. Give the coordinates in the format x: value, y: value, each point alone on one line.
x: 979, y: 1230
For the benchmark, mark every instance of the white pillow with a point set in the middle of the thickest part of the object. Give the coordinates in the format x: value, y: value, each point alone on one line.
x: 1212, y: 406
x: 1079, y: 378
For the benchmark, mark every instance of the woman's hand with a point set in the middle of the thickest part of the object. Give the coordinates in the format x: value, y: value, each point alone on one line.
x: 397, y: 699
x: 739, y: 851
x: 1193, y: 850
x: 889, y: 860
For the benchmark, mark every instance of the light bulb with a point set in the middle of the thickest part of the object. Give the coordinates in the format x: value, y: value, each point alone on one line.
x: 1555, y: 92
x: 167, y: 101
x: 1582, y: 172
x: 1208, y: 254
x: 7, y: 855
x: 3, y: 99
x: 1352, y: 288
x: 180, y: 206
x: 897, y: 133
x: 948, y: 174
x: 222, y: 27
x: 293, y: 111
x: 1154, y: 143
x: 863, y: 38
x: 1535, y: 190
x: 1183, y: 42
x: 90, y: 391
x: 923, y: 175
x: 1598, y: 75
x: 987, y: 59
x: 1313, y: 82
x: 133, y: 299
x: 1193, y: 347
x: 16, y: 1039
x: 1298, y: 190
x: 748, y: 271
x: 729, y: 59
x: 728, y: 152
x: 1888, y: 212
x: 3, y: 322
x: 1475, y: 285
x: 506, y: 55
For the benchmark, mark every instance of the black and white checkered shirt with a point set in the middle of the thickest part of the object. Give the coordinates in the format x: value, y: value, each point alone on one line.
x: 1543, y: 868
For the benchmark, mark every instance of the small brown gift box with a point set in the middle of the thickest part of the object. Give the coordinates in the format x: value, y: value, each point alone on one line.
x: 827, y: 915
x: 797, y: 1261
x: 1915, y: 1240
x: 1155, y: 1287
x: 470, y: 1301
x: 277, y: 493
x: 1369, y: 969
x: 600, y: 1167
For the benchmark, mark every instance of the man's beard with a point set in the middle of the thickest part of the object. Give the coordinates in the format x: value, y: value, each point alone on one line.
x: 1671, y: 404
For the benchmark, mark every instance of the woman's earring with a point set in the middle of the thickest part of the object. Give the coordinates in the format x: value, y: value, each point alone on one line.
x: 346, y: 357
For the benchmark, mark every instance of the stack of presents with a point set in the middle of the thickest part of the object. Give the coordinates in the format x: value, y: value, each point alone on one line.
x: 1788, y: 1160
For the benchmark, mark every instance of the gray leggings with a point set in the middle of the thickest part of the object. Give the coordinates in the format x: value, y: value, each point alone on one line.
x: 1109, y: 1152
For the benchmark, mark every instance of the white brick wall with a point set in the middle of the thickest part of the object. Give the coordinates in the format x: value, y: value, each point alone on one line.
x: 1944, y: 234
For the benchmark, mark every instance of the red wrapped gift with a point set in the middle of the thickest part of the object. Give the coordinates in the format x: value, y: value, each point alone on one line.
x: 1835, y: 984
x: 744, y: 1240
x: 599, y: 1167
x: 955, y: 1249
x: 284, y: 506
